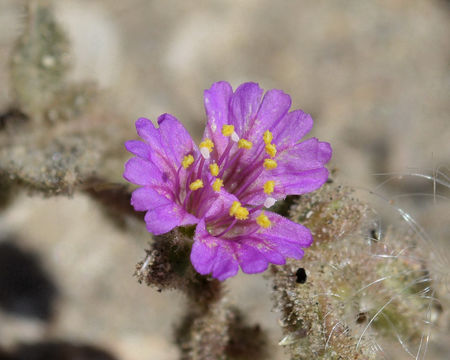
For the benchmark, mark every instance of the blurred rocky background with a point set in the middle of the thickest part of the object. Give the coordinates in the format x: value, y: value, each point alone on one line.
x: 374, y: 75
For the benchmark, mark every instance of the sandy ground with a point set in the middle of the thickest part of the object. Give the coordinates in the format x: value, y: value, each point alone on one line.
x: 374, y: 75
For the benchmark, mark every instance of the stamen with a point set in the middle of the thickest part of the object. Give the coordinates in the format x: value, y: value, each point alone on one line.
x: 242, y: 186
x: 187, y: 161
x: 235, y: 136
x: 225, y: 154
x: 238, y: 211
x: 207, y: 143
x: 214, y: 168
x: 271, y: 149
x: 269, y: 202
x: 195, y: 185
x: 270, y: 164
x: 206, y: 146
x: 227, y: 229
x: 241, y: 213
x: 227, y: 130
x: 263, y: 221
x: 269, y: 187
x: 236, y: 205
x: 217, y: 185
x: 243, y: 143
x: 268, y: 137
x: 205, y: 153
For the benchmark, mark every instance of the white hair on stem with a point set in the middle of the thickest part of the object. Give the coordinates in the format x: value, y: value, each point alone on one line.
x: 438, y: 258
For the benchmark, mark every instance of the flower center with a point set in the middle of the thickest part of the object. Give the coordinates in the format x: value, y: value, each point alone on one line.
x: 227, y: 171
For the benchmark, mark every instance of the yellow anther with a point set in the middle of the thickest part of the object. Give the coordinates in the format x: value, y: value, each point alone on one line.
x: 227, y: 130
x: 195, y: 185
x: 270, y: 164
x: 208, y: 144
x: 238, y: 211
x: 269, y: 187
x: 263, y: 221
x: 214, y: 168
x: 236, y: 205
x: 245, y: 144
x: 271, y: 149
x: 217, y: 185
x: 187, y: 161
x: 241, y: 213
x: 268, y: 137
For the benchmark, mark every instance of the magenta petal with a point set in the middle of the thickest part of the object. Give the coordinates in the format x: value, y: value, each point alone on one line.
x: 139, y: 148
x: 164, y: 218
x: 300, y: 170
x: 286, y: 237
x: 307, y: 155
x: 244, y: 106
x: 141, y: 172
x: 147, y: 131
x: 158, y: 225
x: 221, y: 204
x: 211, y: 254
x: 251, y: 260
x: 157, y: 154
x: 204, y: 250
x: 175, y: 140
x: 146, y: 198
x: 273, y: 108
x: 304, y: 181
x: 283, y: 239
x: 273, y: 256
x: 325, y: 152
x: 225, y: 265
x: 289, y: 249
x: 292, y: 128
x: 202, y: 257
x: 163, y: 213
x: 265, y: 249
x: 217, y: 101
x: 292, y: 183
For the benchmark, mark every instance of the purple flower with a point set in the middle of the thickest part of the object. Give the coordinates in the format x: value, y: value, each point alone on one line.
x: 250, y: 156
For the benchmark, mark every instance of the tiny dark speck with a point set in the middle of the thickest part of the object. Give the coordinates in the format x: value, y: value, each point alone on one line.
x: 165, y: 177
x: 301, y: 276
x: 374, y: 235
x: 362, y: 317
